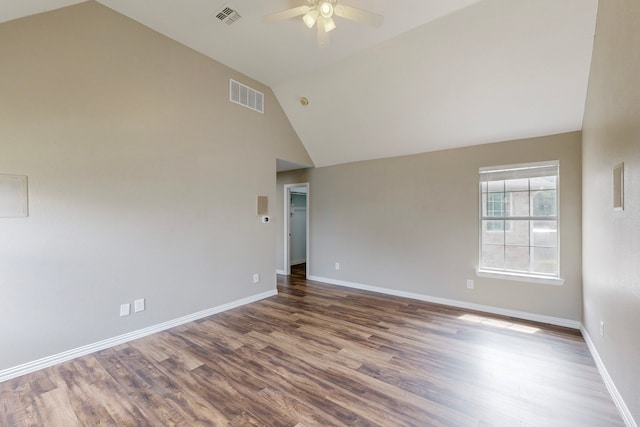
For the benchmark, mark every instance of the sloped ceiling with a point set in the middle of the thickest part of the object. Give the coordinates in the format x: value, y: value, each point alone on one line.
x: 438, y: 74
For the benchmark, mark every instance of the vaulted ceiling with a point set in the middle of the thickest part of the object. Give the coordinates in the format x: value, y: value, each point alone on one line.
x: 437, y: 74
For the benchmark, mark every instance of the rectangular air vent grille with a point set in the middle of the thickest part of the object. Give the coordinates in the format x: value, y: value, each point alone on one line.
x: 245, y: 96
x: 228, y: 15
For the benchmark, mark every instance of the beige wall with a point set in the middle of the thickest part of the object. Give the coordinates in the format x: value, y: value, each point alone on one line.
x: 411, y: 224
x: 142, y: 181
x: 611, y: 250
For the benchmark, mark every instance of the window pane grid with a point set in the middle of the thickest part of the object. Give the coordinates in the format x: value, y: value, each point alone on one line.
x: 519, y: 221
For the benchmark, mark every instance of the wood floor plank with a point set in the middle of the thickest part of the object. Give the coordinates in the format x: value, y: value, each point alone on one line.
x: 131, y: 389
x: 74, y: 386
x: 56, y: 407
x: 321, y: 355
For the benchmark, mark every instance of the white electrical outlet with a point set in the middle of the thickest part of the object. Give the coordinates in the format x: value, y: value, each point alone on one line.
x: 337, y: 266
x: 602, y: 329
x: 138, y: 305
x: 469, y: 284
x: 256, y: 278
x: 125, y: 309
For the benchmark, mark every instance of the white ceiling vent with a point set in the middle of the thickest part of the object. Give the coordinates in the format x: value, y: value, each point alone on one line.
x: 228, y: 15
x: 245, y: 96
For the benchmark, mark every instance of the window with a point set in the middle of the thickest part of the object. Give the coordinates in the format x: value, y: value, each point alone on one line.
x: 519, y: 220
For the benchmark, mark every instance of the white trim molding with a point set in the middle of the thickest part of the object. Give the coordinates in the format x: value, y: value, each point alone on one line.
x: 541, y: 318
x: 608, y: 381
x: 529, y: 278
x: 45, y: 362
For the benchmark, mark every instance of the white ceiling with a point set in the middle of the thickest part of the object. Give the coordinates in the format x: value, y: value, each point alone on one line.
x: 438, y: 73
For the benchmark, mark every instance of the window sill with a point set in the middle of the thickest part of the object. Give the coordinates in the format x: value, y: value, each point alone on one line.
x: 530, y: 278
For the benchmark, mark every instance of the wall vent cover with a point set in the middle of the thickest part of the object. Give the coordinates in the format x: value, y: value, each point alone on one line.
x: 228, y: 15
x: 245, y: 96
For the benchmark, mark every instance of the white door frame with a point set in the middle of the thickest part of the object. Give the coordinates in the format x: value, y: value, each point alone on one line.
x: 287, y: 224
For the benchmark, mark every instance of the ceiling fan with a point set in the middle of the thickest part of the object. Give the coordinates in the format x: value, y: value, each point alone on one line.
x: 321, y: 12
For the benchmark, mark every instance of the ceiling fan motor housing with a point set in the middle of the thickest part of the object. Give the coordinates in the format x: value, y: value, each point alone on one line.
x: 326, y: 8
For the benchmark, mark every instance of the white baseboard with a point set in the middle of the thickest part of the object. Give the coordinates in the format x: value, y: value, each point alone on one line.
x: 45, y: 362
x: 281, y: 272
x: 300, y: 261
x: 608, y: 381
x: 558, y: 321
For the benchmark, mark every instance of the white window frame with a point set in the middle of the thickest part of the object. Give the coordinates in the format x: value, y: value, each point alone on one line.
x: 551, y: 279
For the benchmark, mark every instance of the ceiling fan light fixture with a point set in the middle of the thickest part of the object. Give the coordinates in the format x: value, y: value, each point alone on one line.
x: 311, y: 17
x: 328, y: 24
x: 326, y: 9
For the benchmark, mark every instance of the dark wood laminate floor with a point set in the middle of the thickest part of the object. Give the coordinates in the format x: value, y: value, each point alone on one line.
x: 319, y: 355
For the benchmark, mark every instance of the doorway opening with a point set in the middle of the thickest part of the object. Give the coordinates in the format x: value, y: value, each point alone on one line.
x: 296, y: 226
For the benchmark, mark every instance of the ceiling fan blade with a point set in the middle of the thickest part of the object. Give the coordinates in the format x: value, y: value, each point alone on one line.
x: 358, y: 15
x: 286, y: 14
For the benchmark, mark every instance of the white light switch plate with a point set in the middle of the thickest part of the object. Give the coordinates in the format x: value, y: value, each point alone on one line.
x: 125, y: 309
x: 138, y: 305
